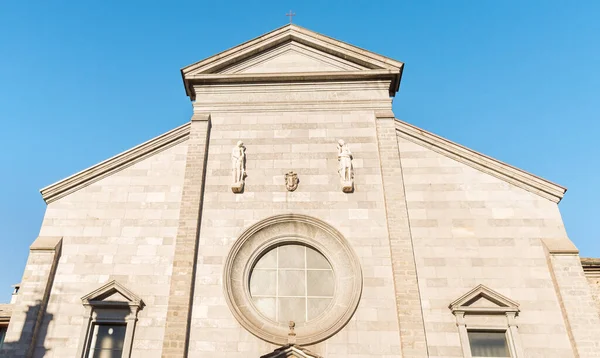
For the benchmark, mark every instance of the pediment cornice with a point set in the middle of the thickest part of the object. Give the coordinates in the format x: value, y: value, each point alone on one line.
x: 104, y: 296
x: 482, y: 299
x: 291, y: 350
x: 367, y: 64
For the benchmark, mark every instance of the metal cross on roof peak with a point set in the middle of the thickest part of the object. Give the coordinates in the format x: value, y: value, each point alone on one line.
x: 290, y: 14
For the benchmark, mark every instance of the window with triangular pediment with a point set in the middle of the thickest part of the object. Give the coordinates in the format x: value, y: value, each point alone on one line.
x: 291, y: 350
x: 486, y: 322
x: 111, y: 313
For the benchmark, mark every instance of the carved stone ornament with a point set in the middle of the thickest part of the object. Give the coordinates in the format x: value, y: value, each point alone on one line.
x: 291, y: 180
x: 345, y: 168
x: 238, y: 167
x: 292, y: 334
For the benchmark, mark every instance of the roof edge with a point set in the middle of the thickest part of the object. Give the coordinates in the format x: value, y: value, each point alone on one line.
x: 232, y: 49
x: 87, y: 176
x: 482, y: 162
x: 591, y: 266
x: 368, y: 59
x: 291, y: 30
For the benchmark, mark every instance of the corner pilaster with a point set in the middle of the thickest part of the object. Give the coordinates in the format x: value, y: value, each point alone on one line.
x: 177, y: 329
x: 408, y: 300
x: 30, y: 306
x: 574, y: 296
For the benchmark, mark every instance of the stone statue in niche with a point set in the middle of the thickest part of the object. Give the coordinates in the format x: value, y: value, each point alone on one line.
x: 346, y: 170
x: 291, y: 180
x: 238, y: 167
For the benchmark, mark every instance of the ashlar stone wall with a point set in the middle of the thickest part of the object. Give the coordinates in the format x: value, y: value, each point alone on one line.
x: 594, y: 282
x: 121, y: 227
x: 470, y: 228
x: 280, y: 137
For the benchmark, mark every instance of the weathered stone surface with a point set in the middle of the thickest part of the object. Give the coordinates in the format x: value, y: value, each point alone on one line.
x: 591, y: 268
x: 472, y: 228
x: 121, y: 227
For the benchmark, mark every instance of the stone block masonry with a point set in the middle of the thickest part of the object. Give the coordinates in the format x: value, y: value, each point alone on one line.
x: 408, y: 301
x: 176, y: 338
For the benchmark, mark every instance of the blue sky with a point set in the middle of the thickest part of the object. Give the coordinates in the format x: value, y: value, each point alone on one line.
x: 81, y: 81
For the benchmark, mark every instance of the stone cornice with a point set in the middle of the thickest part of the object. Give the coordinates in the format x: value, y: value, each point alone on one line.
x: 375, y: 66
x: 98, y: 296
x: 591, y: 266
x: 291, y: 350
x: 85, y: 177
x: 292, y: 76
x: 293, y: 106
x: 293, y: 96
x: 5, y: 312
x: 506, y: 172
x: 463, y: 303
x: 295, y: 229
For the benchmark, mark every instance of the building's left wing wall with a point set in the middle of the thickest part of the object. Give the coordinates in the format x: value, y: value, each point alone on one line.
x: 122, y: 228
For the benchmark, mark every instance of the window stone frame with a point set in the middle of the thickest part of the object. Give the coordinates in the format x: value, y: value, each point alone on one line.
x: 483, y: 309
x: 300, y: 230
x: 111, y: 303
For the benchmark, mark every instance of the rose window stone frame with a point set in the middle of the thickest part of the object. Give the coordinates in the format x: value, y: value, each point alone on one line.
x: 285, y: 229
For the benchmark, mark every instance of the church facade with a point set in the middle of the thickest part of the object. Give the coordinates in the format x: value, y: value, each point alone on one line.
x: 295, y: 216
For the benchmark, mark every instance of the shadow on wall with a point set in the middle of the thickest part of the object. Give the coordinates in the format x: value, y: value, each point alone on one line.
x: 23, y: 347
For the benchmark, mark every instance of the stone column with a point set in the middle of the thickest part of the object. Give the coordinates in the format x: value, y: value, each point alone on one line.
x: 176, y: 339
x: 408, y: 300
x: 30, y: 307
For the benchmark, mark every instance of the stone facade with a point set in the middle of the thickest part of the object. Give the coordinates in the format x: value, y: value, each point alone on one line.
x: 591, y: 268
x: 426, y: 220
x: 471, y: 228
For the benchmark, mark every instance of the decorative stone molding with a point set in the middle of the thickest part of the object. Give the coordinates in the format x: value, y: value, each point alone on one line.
x: 483, y: 309
x: 292, y: 229
x: 105, y: 297
x: 291, y: 350
x: 5, y: 313
x: 111, y: 303
x: 500, y: 170
x: 560, y: 246
x: 591, y: 266
x: 354, y: 63
x: 258, y: 97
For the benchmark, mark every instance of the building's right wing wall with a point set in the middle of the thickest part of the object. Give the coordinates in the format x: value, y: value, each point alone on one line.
x: 471, y: 228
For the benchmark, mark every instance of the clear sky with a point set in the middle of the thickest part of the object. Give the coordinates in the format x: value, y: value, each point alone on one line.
x: 81, y: 81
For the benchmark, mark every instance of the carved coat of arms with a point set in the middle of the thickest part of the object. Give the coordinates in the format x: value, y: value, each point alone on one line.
x: 291, y: 180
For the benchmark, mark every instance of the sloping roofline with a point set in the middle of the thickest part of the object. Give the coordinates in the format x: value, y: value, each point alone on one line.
x: 474, y: 159
x: 481, y: 162
x: 96, y: 172
x: 206, y: 71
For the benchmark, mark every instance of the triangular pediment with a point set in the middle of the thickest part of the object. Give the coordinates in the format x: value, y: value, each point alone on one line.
x: 112, y: 294
x: 483, y: 302
x: 292, y: 57
x: 292, y: 53
x: 291, y: 350
x: 483, y: 299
